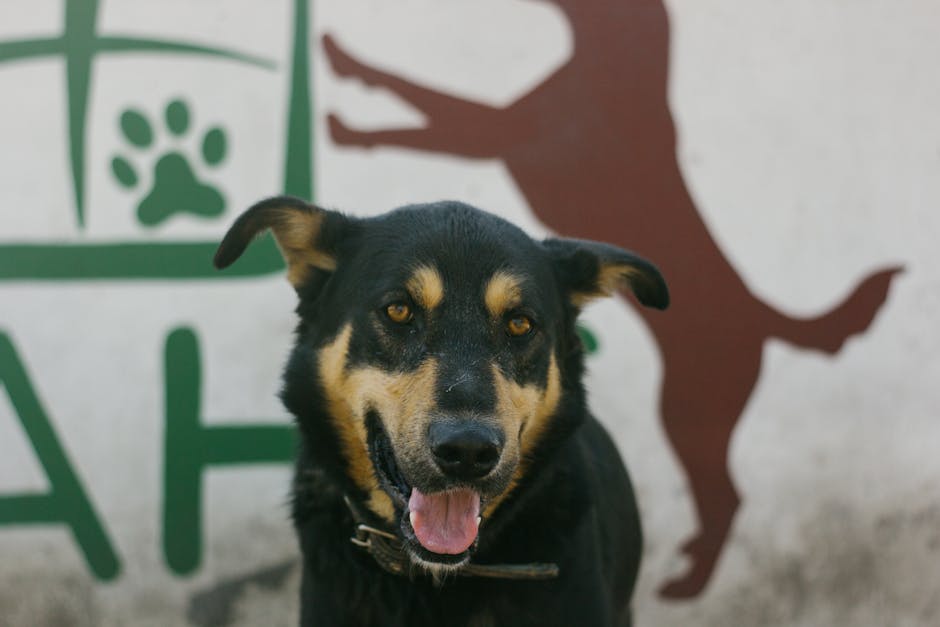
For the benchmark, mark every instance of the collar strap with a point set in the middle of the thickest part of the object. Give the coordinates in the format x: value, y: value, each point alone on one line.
x: 387, y: 550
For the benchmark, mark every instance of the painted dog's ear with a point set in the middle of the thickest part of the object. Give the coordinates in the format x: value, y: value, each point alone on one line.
x: 306, y: 235
x: 590, y: 270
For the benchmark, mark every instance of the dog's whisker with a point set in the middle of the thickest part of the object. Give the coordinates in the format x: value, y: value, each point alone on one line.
x: 463, y: 377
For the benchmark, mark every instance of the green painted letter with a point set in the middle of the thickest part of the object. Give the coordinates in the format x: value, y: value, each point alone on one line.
x: 190, y: 447
x: 66, y: 501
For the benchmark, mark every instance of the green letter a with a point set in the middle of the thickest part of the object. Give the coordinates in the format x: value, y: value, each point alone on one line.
x: 66, y: 501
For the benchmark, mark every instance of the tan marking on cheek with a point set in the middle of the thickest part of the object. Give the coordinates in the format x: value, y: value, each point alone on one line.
x: 349, y: 422
x: 524, y: 410
x: 610, y: 278
x: 502, y: 293
x: 545, y: 408
x: 426, y: 287
x: 402, y: 400
x: 296, y: 235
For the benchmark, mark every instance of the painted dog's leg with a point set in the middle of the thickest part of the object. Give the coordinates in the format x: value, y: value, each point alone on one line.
x: 701, y: 403
x: 428, y: 139
x: 455, y: 125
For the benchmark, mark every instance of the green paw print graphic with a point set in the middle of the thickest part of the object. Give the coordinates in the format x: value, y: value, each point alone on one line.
x: 175, y: 186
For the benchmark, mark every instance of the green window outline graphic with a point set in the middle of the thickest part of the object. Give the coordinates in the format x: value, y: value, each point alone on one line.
x: 78, y: 44
x: 190, y: 447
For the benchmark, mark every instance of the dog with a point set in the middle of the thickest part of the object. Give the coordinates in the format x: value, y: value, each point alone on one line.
x: 449, y: 471
x: 593, y: 150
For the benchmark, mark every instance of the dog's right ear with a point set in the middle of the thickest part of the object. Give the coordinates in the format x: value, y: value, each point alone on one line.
x: 306, y: 235
x: 589, y: 270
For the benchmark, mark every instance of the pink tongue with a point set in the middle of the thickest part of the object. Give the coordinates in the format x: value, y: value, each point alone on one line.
x: 445, y: 522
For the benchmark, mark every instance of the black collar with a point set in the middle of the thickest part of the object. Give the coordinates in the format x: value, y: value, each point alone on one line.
x: 386, y: 549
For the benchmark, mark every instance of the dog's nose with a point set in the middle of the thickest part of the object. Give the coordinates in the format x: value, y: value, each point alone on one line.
x: 465, y: 450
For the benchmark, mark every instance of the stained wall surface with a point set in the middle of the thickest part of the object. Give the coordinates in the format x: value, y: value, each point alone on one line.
x: 779, y: 161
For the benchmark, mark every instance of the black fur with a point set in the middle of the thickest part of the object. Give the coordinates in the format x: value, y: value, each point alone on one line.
x: 574, y: 506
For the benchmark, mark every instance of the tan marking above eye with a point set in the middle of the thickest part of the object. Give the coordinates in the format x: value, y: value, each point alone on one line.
x: 519, y: 325
x: 399, y: 313
x: 426, y: 287
x: 503, y: 292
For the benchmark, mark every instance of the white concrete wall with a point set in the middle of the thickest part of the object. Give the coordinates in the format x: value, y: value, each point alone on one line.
x: 809, y: 134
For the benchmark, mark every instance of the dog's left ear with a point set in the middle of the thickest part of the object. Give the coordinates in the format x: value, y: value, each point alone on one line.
x: 306, y: 235
x: 590, y: 270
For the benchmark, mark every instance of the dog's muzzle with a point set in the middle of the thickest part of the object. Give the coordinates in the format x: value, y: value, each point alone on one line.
x: 447, y: 521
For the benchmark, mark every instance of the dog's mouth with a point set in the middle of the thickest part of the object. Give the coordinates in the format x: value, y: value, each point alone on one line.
x: 445, y: 523
x: 439, y: 528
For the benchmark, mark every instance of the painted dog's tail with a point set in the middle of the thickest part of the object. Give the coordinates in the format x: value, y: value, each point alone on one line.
x: 830, y: 331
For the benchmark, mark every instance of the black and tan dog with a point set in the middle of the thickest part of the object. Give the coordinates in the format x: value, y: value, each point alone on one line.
x: 436, y: 381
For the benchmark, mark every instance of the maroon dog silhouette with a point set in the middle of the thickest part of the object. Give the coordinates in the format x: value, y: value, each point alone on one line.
x: 593, y: 150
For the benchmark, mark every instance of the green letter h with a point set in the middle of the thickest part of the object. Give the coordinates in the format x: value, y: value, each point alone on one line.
x: 190, y: 447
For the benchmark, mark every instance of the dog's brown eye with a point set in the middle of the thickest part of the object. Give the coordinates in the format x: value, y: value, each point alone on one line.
x: 399, y: 312
x: 519, y: 325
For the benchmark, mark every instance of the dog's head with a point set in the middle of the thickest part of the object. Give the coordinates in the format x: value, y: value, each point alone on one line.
x: 434, y: 352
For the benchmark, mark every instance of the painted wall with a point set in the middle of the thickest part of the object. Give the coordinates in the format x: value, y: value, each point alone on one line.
x: 144, y: 458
